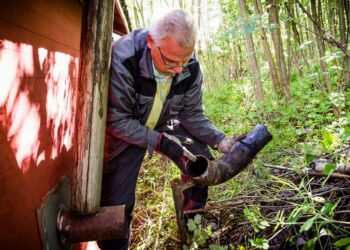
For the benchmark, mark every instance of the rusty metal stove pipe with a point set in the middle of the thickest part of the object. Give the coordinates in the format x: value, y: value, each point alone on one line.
x: 209, y: 173
x: 108, y: 223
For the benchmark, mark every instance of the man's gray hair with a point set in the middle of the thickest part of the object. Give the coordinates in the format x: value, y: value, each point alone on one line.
x: 177, y: 23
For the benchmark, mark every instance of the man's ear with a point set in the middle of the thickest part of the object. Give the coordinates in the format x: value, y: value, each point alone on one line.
x: 149, y: 41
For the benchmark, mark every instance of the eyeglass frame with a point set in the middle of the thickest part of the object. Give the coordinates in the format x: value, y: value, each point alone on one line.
x: 171, y: 65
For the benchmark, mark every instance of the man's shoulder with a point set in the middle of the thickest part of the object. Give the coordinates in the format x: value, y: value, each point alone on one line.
x: 128, y: 45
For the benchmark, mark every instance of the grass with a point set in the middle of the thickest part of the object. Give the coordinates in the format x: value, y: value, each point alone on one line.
x: 154, y: 215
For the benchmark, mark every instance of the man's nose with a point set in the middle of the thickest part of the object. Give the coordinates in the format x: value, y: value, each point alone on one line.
x: 178, y: 69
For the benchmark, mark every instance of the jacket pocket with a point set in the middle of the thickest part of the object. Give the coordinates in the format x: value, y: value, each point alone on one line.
x: 143, y: 107
x: 171, y: 108
x: 175, y: 105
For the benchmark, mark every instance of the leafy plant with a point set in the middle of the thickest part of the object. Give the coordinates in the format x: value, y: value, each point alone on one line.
x: 344, y: 242
x: 217, y: 247
x: 260, y: 243
x: 199, y: 234
x: 256, y: 219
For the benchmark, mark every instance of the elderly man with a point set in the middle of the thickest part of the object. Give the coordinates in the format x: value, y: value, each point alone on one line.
x: 154, y: 97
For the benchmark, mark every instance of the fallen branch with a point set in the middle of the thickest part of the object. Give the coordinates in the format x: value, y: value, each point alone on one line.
x: 211, y: 208
x: 310, y: 172
x: 333, y: 175
x: 337, y: 152
x: 277, y: 233
x: 277, y: 167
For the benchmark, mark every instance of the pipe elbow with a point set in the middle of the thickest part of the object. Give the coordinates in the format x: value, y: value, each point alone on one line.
x: 209, y: 173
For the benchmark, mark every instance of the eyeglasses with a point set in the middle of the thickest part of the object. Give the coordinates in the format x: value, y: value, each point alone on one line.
x: 171, y: 64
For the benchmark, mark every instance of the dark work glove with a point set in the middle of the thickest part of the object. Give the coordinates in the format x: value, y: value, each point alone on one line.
x: 227, y: 143
x: 171, y: 147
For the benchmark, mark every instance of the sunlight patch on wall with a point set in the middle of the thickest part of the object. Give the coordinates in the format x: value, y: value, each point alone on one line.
x: 8, y: 70
x: 21, y: 115
x: 42, y: 52
x: 25, y: 117
x: 60, y: 102
x: 25, y: 125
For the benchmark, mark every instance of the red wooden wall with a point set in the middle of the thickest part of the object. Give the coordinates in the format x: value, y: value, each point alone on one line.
x: 39, y: 59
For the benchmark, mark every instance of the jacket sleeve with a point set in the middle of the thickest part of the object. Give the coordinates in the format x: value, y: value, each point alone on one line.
x: 192, y: 115
x: 121, y: 103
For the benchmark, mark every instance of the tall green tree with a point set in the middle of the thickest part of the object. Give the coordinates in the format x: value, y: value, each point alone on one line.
x: 279, y: 52
x: 254, y: 67
x: 267, y: 51
x: 343, y: 11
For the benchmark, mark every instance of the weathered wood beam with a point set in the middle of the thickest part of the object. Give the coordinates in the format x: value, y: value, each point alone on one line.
x: 96, y: 38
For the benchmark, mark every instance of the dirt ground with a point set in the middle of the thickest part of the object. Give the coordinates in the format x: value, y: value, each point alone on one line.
x: 287, y: 210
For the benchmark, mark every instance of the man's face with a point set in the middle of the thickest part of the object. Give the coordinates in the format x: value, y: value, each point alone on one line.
x: 168, y: 57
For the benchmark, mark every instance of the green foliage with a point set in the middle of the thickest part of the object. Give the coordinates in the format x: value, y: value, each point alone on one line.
x: 344, y: 242
x: 328, y: 140
x: 307, y: 225
x: 329, y: 168
x: 279, y: 219
x: 199, y: 234
x: 255, y: 218
x: 310, y: 244
x: 217, y: 247
x: 260, y: 243
x: 310, y: 209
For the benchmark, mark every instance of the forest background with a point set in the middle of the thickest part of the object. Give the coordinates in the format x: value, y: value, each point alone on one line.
x: 284, y: 64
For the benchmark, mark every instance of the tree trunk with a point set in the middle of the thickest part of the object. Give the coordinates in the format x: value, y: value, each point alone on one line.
x: 321, y: 48
x: 347, y: 65
x: 277, y: 42
x: 347, y: 13
x: 324, y: 35
x: 138, y: 11
x: 274, y: 76
x: 199, y: 17
x: 311, y: 47
x: 96, y: 38
x: 330, y: 17
x: 231, y: 57
x: 296, y: 52
x: 151, y: 10
x: 289, y: 56
x: 136, y: 15
x: 344, y: 40
x: 240, y: 60
x: 299, y: 36
x: 232, y: 69
x: 193, y: 2
x: 251, y: 54
x: 319, y: 13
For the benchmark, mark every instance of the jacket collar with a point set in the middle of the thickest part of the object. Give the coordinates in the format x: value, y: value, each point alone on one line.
x: 146, y: 68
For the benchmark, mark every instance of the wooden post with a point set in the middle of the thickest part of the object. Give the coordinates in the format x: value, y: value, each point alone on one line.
x: 96, y: 38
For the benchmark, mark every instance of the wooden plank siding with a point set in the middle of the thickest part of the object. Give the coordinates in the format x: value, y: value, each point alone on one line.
x: 39, y: 63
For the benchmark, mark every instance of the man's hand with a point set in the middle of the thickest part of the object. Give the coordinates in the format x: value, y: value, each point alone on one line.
x: 227, y: 143
x: 171, y: 147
